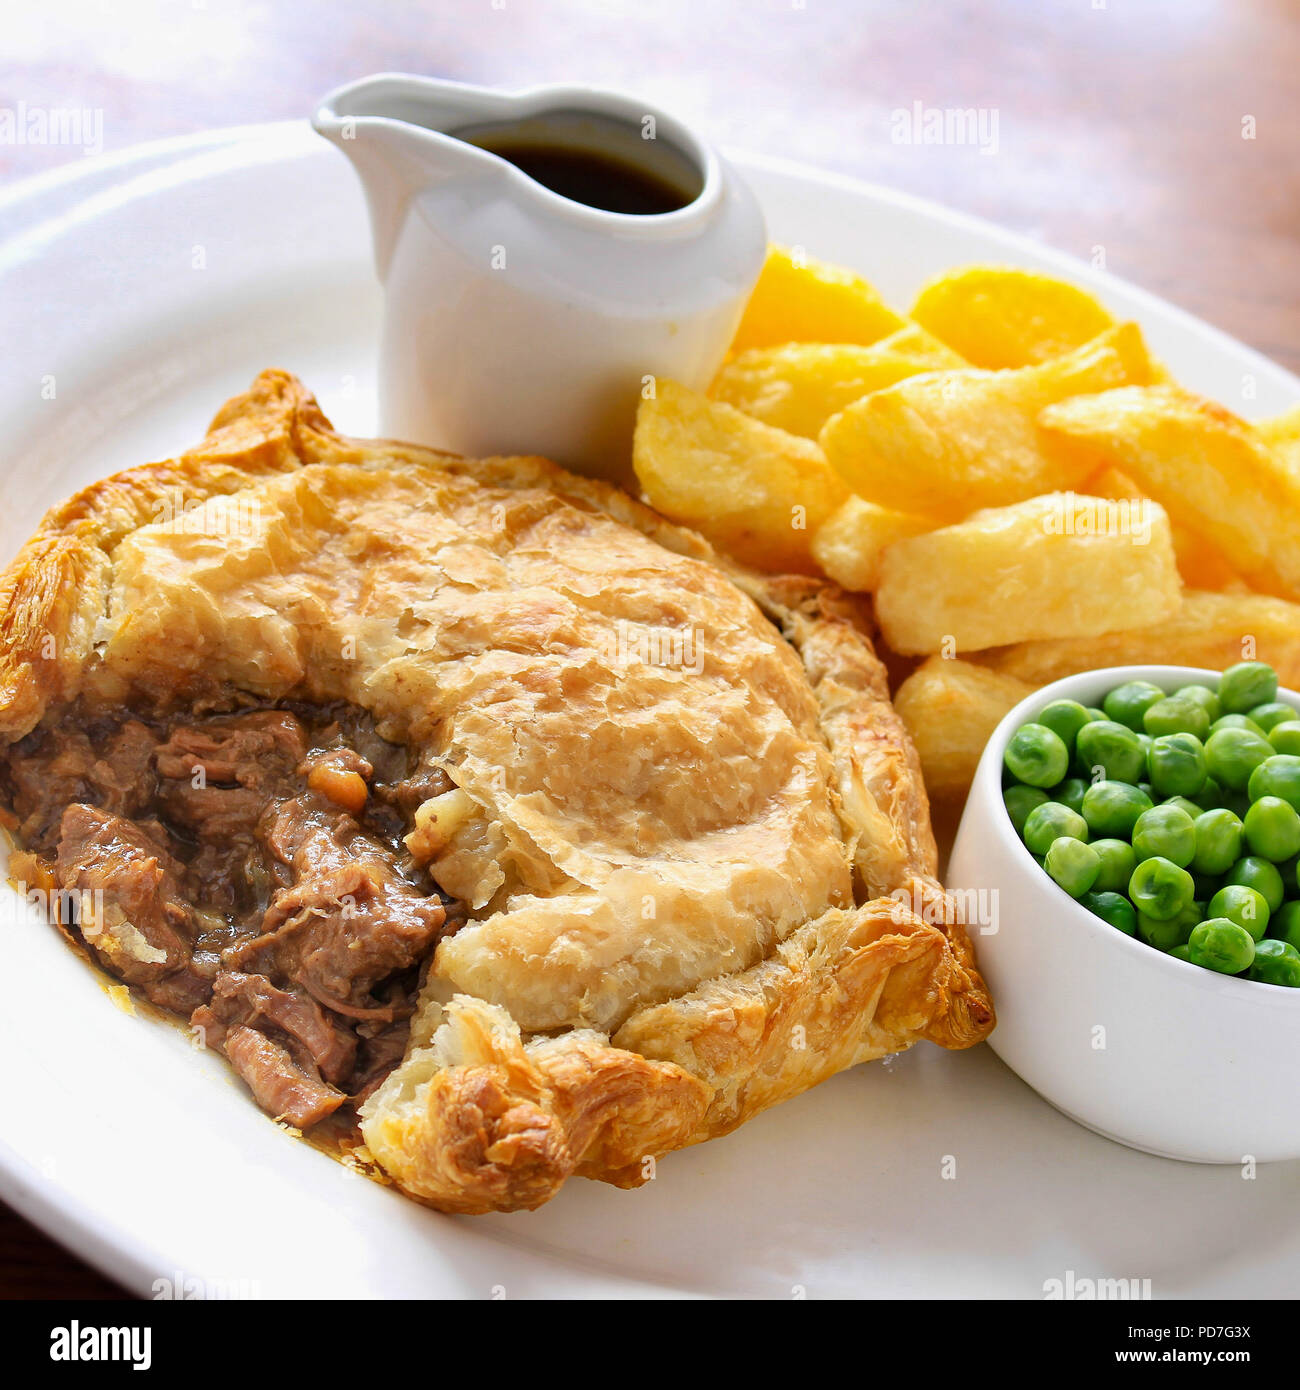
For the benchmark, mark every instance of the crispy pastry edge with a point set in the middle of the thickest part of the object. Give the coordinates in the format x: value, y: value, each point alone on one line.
x: 513, y: 1118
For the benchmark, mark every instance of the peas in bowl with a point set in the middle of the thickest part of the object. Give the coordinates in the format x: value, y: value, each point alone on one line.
x: 1139, y: 954
x: 1187, y: 863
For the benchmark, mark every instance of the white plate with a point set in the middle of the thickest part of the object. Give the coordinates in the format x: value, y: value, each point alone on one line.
x: 146, y: 289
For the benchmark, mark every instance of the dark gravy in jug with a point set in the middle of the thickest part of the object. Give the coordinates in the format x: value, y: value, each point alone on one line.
x: 601, y: 163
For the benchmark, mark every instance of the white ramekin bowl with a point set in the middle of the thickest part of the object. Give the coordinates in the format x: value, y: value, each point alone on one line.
x: 1142, y: 1048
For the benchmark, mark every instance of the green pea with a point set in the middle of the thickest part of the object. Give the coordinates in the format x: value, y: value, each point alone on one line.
x: 1070, y: 793
x: 1127, y: 703
x: 1218, y: 841
x: 1284, y: 924
x: 1115, y: 749
x: 1020, y: 800
x: 1231, y: 755
x: 1036, y: 756
x: 1117, y: 864
x: 1073, y: 864
x: 1165, y: 832
x: 1245, y: 906
x: 1160, y: 889
x: 1277, y: 776
x: 1247, y: 684
x: 1272, y: 829
x: 1286, y: 737
x: 1236, y: 721
x: 1065, y: 718
x: 1112, y: 808
x: 1193, y: 913
x: 1047, y: 823
x: 1177, y: 763
x: 1183, y: 804
x: 1269, y: 716
x: 1181, y: 953
x: 1097, y: 713
x: 1203, y: 696
x: 1164, y: 933
x: 1218, y: 944
x: 1276, y: 963
x: 1259, y: 874
x: 1175, y: 715
x: 1112, y: 908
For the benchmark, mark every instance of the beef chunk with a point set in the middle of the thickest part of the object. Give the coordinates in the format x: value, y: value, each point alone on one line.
x: 244, y: 869
x: 253, y: 1001
x: 218, y: 777
x: 49, y: 772
x: 129, y: 903
x: 216, y: 780
x: 417, y: 787
x: 257, y: 749
x: 183, y: 990
x: 349, y: 920
x: 279, y: 1085
x: 379, y: 1054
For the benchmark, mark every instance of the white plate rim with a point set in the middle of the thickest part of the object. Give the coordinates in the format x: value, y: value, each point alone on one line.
x: 67, y: 184
x: 29, y: 206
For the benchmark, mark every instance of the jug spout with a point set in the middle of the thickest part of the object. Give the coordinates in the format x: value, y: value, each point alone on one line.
x: 392, y: 127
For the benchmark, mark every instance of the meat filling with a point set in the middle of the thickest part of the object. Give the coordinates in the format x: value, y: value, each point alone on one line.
x: 246, y: 870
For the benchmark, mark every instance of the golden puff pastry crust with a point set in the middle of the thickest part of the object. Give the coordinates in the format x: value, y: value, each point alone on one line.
x: 690, y: 831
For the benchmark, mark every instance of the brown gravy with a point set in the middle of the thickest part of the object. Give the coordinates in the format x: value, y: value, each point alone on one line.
x: 614, y: 165
x: 595, y: 177
x: 221, y: 838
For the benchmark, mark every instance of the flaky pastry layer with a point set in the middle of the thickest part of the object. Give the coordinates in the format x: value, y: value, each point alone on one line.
x: 689, y: 799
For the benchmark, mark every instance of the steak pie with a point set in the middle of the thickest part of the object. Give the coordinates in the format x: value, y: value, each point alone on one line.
x: 471, y: 797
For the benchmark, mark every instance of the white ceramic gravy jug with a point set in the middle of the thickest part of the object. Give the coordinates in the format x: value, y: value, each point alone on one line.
x: 517, y: 319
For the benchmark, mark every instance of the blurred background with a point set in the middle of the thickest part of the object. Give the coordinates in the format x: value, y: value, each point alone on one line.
x: 1165, y: 133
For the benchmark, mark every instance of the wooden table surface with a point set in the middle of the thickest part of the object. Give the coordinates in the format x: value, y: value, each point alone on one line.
x: 1166, y: 132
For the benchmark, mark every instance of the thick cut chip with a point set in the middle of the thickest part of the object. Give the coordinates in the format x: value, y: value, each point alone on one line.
x: 947, y: 443
x: 1202, y: 565
x: 850, y: 545
x: 1282, y: 434
x: 1053, y: 566
x: 1199, y: 562
x: 919, y: 342
x: 799, y: 386
x: 756, y: 492
x: 799, y: 300
x: 1209, y: 630
x: 1209, y: 469
x: 1110, y: 482
x: 998, y: 316
x: 950, y: 708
